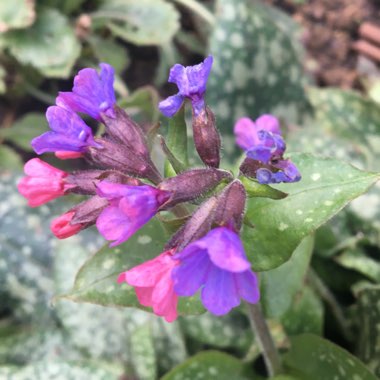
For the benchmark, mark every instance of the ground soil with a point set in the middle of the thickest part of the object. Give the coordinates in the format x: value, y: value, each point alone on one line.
x: 330, y: 29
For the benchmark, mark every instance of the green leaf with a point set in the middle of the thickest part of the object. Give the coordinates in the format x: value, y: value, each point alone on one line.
x: 226, y: 331
x: 16, y: 14
x: 256, y: 67
x: 50, y: 45
x: 25, y: 129
x: 108, y: 50
x: 255, y: 189
x: 209, y: 365
x: 368, y: 323
x: 96, y: 281
x: 3, y: 86
x: 314, y: 358
x: 356, y: 259
x: 9, y: 159
x: 305, y: 315
x: 143, y: 353
x: 142, y: 22
x: 280, y: 286
x: 327, y: 185
x: 49, y: 370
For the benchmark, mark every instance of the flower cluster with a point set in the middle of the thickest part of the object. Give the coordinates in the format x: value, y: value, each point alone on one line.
x: 126, y: 189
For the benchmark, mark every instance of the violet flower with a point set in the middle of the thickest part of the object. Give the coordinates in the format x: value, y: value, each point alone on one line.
x: 264, y: 144
x: 154, y: 286
x: 217, y: 265
x: 191, y: 82
x: 130, y: 207
x: 69, y: 133
x: 92, y: 94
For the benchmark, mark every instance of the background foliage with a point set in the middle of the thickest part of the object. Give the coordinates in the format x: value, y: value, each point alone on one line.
x: 320, y: 277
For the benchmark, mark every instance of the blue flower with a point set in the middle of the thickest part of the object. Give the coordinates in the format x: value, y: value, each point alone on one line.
x: 92, y: 94
x: 191, y: 82
x: 217, y: 265
x: 265, y: 146
x: 69, y: 133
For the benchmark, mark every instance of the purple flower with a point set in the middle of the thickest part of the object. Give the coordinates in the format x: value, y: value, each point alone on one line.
x: 130, y: 207
x: 191, y: 82
x: 92, y: 93
x: 68, y: 133
x: 218, y: 265
x: 264, y: 144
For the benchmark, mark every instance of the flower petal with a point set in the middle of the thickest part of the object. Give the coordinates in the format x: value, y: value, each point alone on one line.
x: 268, y: 123
x: 171, y: 105
x: 246, y: 133
x: 247, y: 286
x: 219, y: 294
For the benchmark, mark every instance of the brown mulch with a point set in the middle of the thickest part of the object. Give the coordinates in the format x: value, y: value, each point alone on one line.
x: 330, y: 29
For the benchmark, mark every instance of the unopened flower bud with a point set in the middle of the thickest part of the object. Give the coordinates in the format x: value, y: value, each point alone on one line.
x: 62, y: 227
x: 191, y: 184
x: 88, y: 211
x: 196, y: 227
x: 122, y: 158
x: 125, y: 131
x: 230, y: 206
x: 206, y: 137
x: 85, y: 182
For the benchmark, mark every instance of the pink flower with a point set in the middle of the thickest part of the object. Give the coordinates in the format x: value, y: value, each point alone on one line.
x: 154, y: 286
x: 42, y: 183
x: 62, y: 227
x: 66, y: 155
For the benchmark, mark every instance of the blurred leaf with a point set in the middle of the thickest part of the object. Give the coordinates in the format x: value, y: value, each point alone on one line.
x: 142, y: 22
x: 143, y: 353
x: 96, y: 280
x: 3, y: 86
x: 256, y: 67
x: 110, y: 51
x: 9, y: 159
x: 209, y: 365
x: 356, y: 259
x: 305, y: 315
x: 144, y: 99
x: 368, y: 324
x: 16, y: 14
x: 314, y: 358
x: 279, y: 286
x: 230, y: 330
x: 327, y: 185
x: 25, y: 129
x: 49, y: 45
x: 49, y: 370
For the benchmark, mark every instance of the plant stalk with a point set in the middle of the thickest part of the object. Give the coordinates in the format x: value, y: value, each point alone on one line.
x: 264, y: 339
x: 198, y: 9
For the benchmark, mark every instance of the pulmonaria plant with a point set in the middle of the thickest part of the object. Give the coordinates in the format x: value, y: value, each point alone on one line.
x: 125, y: 189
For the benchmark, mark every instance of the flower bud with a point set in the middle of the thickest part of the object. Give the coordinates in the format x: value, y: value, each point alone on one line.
x: 88, y: 211
x: 85, y: 182
x: 196, y: 227
x: 122, y: 158
x: 191, y: 184
x: 206, y: 137
x: 230, y: 206
x: 125, y: 131
x: 62, y: 227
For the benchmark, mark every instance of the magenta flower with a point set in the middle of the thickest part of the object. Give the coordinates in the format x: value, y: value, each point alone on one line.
x: 154, y: 286
x: 130, y: 207
x: 191, y: 82
x: 264, y: 144
x: 92, y: 94
x: 69, y: 135
x: 42, y: 183
x: 217, y: 265
x: 62, y: 227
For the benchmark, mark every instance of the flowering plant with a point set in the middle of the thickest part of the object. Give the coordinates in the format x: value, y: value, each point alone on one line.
x: 229, y: 225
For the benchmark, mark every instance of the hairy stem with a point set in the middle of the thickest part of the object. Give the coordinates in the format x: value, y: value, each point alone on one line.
x: 264, y: 339
x: 198, y: 9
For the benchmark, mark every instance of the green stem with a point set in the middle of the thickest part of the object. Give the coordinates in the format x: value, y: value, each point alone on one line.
x: 264, y: 339
x: 327, y: 296
x: 199, y: 9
